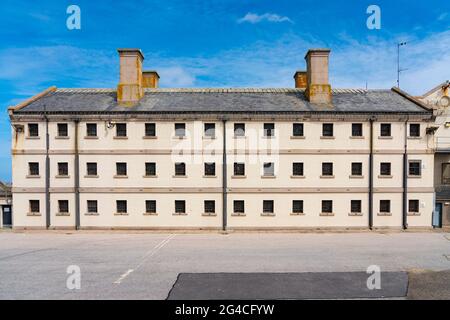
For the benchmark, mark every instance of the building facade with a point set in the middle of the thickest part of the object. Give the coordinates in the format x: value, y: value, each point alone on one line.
x: 142, y: 157
x: 5, y: 206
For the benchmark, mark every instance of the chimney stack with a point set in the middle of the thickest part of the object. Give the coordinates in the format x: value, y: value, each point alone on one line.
x: 301, y: 79
x: 130, y: 89
x: 150, y: 79
x: 318, y: 89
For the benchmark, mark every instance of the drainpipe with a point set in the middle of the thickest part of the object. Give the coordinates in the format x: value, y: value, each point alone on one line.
x: 405, y: 179
x: 47, y: 172
x: 77, y: 178
x: 371, y: 177
x: 224, y: 178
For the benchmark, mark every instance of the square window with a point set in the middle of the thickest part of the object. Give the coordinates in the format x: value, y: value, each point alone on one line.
x: 269, y: 169
x: 414, y: 130
x: 297, y: 169
x: 121, y: 129
x: 327, y: 130
x: 121, y: 206
x: 63, y: 169
x: 385, y: 206
x: 62, y: 130
x: 63, y: 206
x: 34, y: 206
x: 269, y: 129
x: 91, y: 129
x: 327, y: 206
x: 33, y: 168
x: 210, y: 169
x: 356, y: 169
x: 239, y: 129
x: 238, y: 206
x: 150, y: 206
x: 357, y: 130
x: 210, y: 130
x: 297, y: 206
x: 355, y: 206
x: 268, y: 206
x: 92, y: 206
x: 239, y: 169
x: 180, y: 206
x: 150, y: 169
x: 385, y: 168
x: 297, y: 129
x: 33, y: 130
x: 121, y: 168
x: 91, y: 168
x: 150, y: 130
x: 415, y: 168
x: 413, y: 206
x: 180, y: 129
x: 445, y: 173
x: 327, y: 169
x: 385, y: 129
x: 180, y: 169
x: 210, y: 206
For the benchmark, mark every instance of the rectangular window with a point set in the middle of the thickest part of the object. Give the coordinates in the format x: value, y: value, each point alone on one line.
x: 356, y: 169
x: 413, y: 206
x: 62, y: 130
x: 357, y: 130
x: 33, y: 130
x: 180, y: 206
x: 63, y: 206
x: 238, y: 206
x: 121, y: 168
x: 91, y: 168
x: 414, y: 130
x: 385, y: 129
x: 239, y: 169
x: 150, y: 130
x: 327, y: 130
x: 239, y: 129
x: 91, y: 129
x: 33, y: 168
x: 269, y: 169
x: 63, y: 169
x: 415, y: 168
x: 210, y: 206
x: 297, y: 206
x: 150, y: 206
x: 297, y: 130
x: 210, y: 130
x: 180, y: 169
x: 34, y: 206
x: 268, y: 206
x: 355, y: 206
x: 327, y: 206
x: 269, y: 129
x: 180, y: 129
x: 385, y: 168
x: 121, y: 129
x: 92, y: 206
x: 297, y: 169
x: 210, y: 169
x: 121, y: 206
x: 445, y: 173
x: 327, y: 169
x: 385, y: 206
x: 150, y: 169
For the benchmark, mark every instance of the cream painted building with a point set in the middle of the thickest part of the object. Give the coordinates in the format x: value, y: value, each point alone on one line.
x: 143, y: 157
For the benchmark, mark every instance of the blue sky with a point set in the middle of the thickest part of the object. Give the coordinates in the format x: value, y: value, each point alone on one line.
x: 215, y: 43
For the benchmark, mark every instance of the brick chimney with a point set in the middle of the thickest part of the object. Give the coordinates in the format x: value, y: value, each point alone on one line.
x: 301, y: 79
x: 318, y: 89
x: 130, y: 89
x: 150, y: 79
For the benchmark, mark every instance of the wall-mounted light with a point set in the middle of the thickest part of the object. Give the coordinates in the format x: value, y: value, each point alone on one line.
x: 110, y: 124
x: 19, y: 128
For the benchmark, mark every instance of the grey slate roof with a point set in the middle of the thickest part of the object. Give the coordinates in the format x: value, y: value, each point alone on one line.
x: 222, y: 101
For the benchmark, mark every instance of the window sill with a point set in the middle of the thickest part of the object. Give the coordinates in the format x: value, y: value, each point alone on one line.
x: 209, y: 137
x: 355, y: 214
x: 179, y: 176
x: 120, y: 138
x: 150, y: 137
x: 211, y: 177
x: 121, y: 214
x: 413, y: 214
x: 327, y: 138
x: 356, y: 177
x: 385, y: 137
x: 150, y: 177
x: 120, y: 177
x: 32, y: 138
x: 238, y: 177
x: 327, y: 177
x: 62, y: 137
x: 414, y: 138
x: 326, y: 214
x: 91, y: 214
x: 62, y: 177
x: 91, y: 137
x: 297, y: 177
x: 414, y: 177
x: 205, y: 214
x: 267, y: 214
x: 91, y: 176
x: 237, y: 214
x: 34, y: 214
x: 268, y: 137
x: 298, y: 138
x: 384, y: 214
x: 297, y: 214
x: 239, y: 137
x: 385, y: 177
x: 150, y: 214
x: 33, y: 177
x: 357, y: 137
x: 268, y: 177
x: 179, y: 137
x: 179, y: 214
x: 63, y: 214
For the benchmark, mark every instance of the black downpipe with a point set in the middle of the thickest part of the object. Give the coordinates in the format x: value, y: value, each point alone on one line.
x: 77, y: 179
x: 371, y: 177
x: 47, y: 174
x: 224, y: 179
x: 405, y: 179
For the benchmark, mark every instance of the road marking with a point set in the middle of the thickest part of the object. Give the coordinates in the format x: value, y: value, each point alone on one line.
x: 147, y: 255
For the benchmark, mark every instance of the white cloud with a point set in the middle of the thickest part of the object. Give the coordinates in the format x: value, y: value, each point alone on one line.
x: 270, y: 17
x: 443, y: 16
x: 176, y: 77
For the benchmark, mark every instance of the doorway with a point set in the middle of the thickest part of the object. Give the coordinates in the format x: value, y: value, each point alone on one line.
x: 437, y: 216
x: 7, y: 216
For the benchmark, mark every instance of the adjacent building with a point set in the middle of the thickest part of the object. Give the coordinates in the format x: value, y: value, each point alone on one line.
x: 143, y: 157
x: 5, y: 206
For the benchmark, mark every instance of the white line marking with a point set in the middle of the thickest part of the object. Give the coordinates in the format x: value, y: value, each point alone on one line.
x: 147, y: 255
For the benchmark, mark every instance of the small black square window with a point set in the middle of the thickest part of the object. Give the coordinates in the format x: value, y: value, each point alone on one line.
x: 268, y: 206
x: 269, y: 129
x: 210, y: 206
x: 385, y: 129
x: 445, y: 173
x: 91, y: 168
x: 297, y: 206
x: 92, y: 206
x: 297, y: 129
x: 180, y: 169
x: 210, y: 169
x: 91, y: 129
x: 415, y: 168
x: 33, y: 168
x: 385, y: 206
x: 150, y: 130
x: 63, y: 206
x: 327, y: 130
x: 121, y: 168
x: 414, y: 130
x: 269, y: 169
x: 180, y: 129
x: 356, y: 169
x: 180, y: 206
x: 210, y: 130
x: 327, y: 206
x: 150, y: 169
x: 356, y: 206
x: 150, y: 206
x: 385, y: 168
x: 121, y: 129
x: 62, y: 130
x: 327, y: 169
x: 297, y: 169
x: 238, y: 206
x: 413, y: 206
x: 121, y: 206
x: 34, y: 206
x: 239, y: 169
x: 357, y: 130
x: 239, y: 129
x: 63, y: 169
x: 33, y: 130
